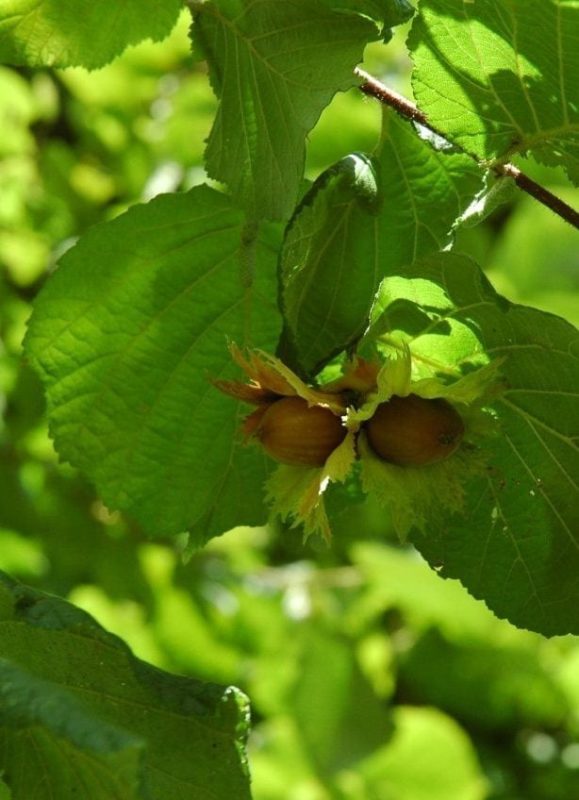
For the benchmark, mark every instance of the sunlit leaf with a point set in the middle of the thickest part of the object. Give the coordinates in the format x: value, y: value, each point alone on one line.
x: 127, y: 336
x: 517, y: 545
x: 87, y: 33
x: 415, y: 764
x: 499, y: 77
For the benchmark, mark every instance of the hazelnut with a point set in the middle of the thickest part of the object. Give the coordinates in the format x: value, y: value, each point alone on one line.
x: 295, y: 433
x: 414, y: 431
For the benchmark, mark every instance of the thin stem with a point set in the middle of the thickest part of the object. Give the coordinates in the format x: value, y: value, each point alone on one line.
x: 539, y: 192
x: 405, y: 108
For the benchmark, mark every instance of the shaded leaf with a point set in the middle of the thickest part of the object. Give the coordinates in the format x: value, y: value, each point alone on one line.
x: 388, y: 13
x: 365, y: 218
x: 81, y: 717
x: 53, y: 746
x: 275, y: 66
x: 397, y: 12
x: 490, y: 687
x: 498, y: 77
x: 128, y: 334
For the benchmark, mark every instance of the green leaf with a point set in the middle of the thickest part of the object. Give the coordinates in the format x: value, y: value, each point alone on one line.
x: 80, y: 716
x: 498, y: 77
x: 275, y: 66
x: 328, y: 274
x: 388, y: 13
x: 493, y: 686
x: 415, y: 590
x: 85, y: 33
x: 53, y: 746
x: 518, y: 545
x: 429, y: 757
x: 330, y: 695
x: 398, y: 11
x: 536, y: 258
x: 365, y: 219
x: 128, y: 334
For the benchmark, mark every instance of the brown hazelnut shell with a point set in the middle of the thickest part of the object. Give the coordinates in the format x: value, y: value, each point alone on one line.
x: 292, y: 432
x: 414, y: 431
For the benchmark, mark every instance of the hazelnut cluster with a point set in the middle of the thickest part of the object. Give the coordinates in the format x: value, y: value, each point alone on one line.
x: 413, y: 439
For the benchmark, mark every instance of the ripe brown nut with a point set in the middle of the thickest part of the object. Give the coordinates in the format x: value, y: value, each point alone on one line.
x: 294, y: 433
x: 414, y: 431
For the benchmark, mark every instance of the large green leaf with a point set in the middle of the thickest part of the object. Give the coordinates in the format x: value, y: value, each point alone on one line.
x: 499, y: 76
x: 80, y: 717
x: 275, y: 66
x: 365, y: 219
x: 53, y: 746
x: 517, y: 546
x: 87, y: 33
x: 127, y: 335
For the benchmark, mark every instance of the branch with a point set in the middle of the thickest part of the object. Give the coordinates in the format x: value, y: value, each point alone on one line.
x: 405, y: 108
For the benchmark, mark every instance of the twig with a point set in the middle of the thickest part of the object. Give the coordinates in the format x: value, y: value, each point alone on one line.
x: 405, y: 108
x: 539, y: 192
